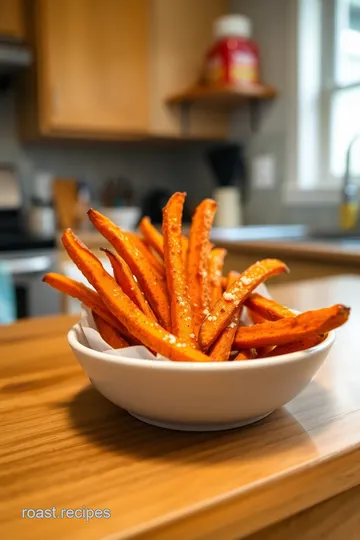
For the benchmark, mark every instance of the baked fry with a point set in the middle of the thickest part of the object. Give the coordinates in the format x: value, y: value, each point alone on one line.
x: 181, y: 316
x: 234, y: 296
x: 140, y: 266
x: 225, y: 279
x: 152, y: 236
x: 148, y: 332
x: 255, y: 317
x: 154, y: 261
x: 267, y: 308
x: 288, y: 330
x: 296, y: 346
x: 198, y: 260
x: 111, y: 336
x: 246, y: 354
x: 216, y: 263
x: 124, y: 277
x: 221, y: 349
x: 88, y: 297
x: 184, y: 247
x: 263, y: 309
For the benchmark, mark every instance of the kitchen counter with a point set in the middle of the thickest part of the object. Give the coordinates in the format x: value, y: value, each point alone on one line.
x: 64, y: 445
x: 346, y: 252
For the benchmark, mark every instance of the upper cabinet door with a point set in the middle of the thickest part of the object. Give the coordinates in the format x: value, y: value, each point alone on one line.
x: 11, y: 19
x: 93, y: 66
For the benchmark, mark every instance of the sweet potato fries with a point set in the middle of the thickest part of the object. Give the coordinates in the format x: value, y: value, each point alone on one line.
x: 181, y: 316
x: 198, y: 260
x: 168, y: 293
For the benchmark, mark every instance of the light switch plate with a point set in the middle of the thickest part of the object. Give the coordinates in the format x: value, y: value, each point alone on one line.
x: 263, y: 171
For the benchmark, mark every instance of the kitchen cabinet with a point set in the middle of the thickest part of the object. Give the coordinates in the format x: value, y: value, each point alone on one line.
x: 104, y: 69
x: 11, y: 20
x: 92, y: 65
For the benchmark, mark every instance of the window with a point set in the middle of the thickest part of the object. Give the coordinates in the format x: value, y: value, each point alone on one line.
x: 344, y: 84
x: 324, y: 104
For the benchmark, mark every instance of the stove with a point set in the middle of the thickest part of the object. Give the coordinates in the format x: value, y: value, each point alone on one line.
x: 15, y: 242
x: 26, y: 258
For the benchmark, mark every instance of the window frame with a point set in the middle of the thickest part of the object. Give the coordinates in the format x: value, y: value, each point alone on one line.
x: 311, y: 89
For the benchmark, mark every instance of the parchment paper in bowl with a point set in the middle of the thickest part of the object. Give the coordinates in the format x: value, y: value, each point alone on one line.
x: 138, y: 352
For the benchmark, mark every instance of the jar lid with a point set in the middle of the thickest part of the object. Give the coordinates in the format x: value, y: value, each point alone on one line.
x: 232, y: 25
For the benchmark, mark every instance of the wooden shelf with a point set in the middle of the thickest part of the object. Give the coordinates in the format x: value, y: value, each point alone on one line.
x: 224, y: 94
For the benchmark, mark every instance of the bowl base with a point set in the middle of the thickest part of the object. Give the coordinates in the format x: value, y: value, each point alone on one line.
x: 177, y: 426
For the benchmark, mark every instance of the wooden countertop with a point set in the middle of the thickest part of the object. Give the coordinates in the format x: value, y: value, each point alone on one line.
x: 64, y: 445
x: 337, y: 252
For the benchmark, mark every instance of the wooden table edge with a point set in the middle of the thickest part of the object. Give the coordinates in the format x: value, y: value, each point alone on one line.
x: 253, y: 508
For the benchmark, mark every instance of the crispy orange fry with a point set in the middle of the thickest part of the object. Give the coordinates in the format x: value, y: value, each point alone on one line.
x: 108, y: 333
x: 234, y: 296
x: 216, y: 263
x: 181, y: 316
x: 87, y: 296
x: 266, y: 308
x: 288, y: 330
x: 262, y: 310
x: 124, y: 277
x: 148, y: 279
x: 152, y: 236
x: 295, y: 346
x: 246, y: 354
x: 185, y: 247
x: 255, y: 317
x: 221, y: 349
x: 198, y: 260
x: 156, y: 264
x: 148, y: 332
x: 225, y: 279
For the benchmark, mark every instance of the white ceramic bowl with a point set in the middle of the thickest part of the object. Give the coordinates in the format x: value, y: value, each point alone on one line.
x: 199, y: 396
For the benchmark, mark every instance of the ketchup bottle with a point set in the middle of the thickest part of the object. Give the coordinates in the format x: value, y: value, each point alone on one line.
x: 234, y: 57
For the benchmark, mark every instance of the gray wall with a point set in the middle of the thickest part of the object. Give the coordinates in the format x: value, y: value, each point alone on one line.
x: 270, y: 27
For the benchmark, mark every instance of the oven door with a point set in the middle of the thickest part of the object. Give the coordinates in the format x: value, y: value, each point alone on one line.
x: 33, y: 298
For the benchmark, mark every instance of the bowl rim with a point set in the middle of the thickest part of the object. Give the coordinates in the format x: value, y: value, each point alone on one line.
x: 294, y: 357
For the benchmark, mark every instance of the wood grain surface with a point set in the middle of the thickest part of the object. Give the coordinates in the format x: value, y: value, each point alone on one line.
x: 337, y: 518
x: 64, y: 445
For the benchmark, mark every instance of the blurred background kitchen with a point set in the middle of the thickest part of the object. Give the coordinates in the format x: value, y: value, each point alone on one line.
x: 116, y: 104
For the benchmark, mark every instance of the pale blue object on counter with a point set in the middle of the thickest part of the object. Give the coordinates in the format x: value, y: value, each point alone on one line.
x: 7, y: 296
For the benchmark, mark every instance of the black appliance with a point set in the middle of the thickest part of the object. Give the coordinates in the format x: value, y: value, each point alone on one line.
x: 154, y: 202
x: 227, y: 163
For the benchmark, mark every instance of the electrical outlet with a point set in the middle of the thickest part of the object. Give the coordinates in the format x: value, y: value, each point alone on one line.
x: 263, y: 171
